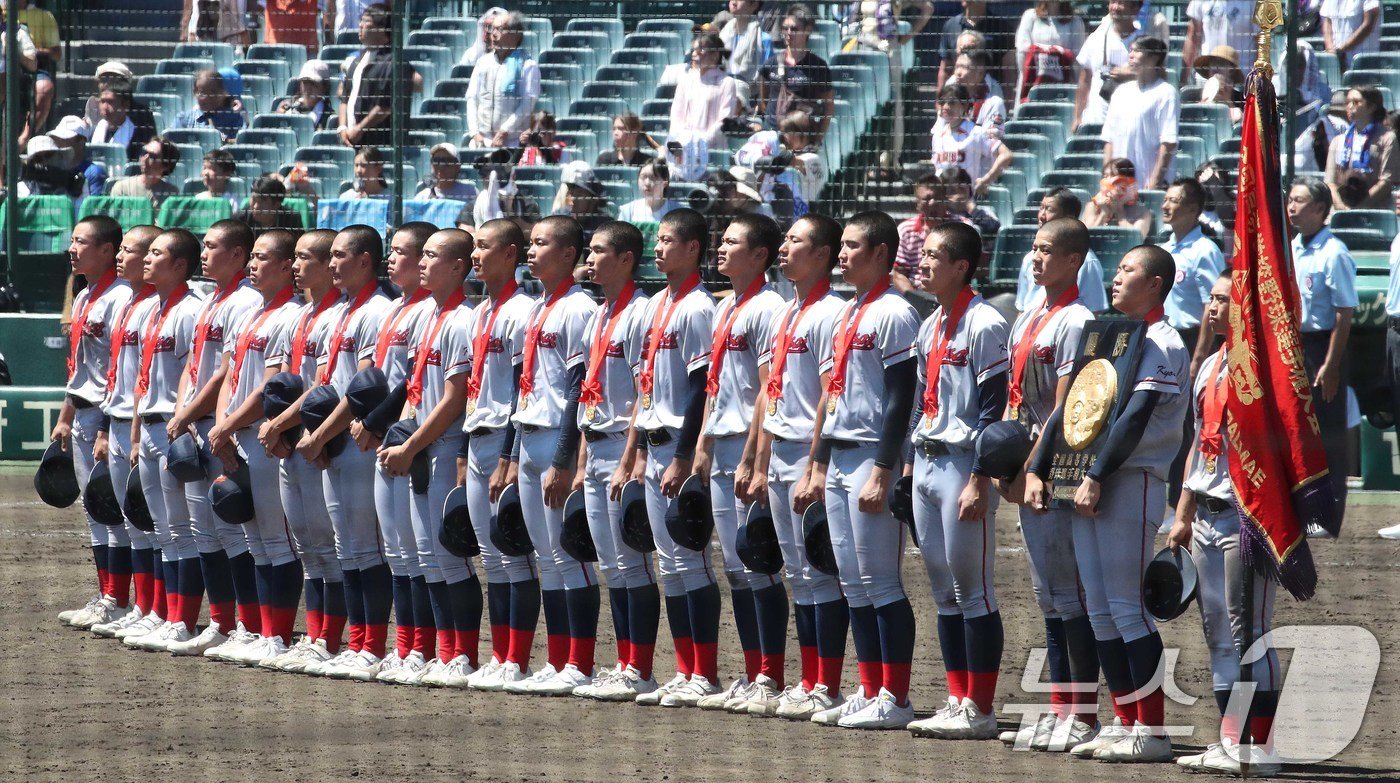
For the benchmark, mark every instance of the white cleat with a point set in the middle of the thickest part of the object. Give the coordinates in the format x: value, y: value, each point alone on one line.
x: 486, y: 675
x: 739, y: 702
x: 1033, y: 737
x: 653, y: 697
x: 882, y: 714
x: 964, y: 723
x: 692, y: 693
x: 389, y: 667
x: 174, y: 633
x: 1224, y: 759
x: 766, y: 699
x: 139, y: 628
x: 819, y: 699
x: 1392, y: 533
x: 626, y: 685
x: 209, y: 638
x: 1106, y: 736
x: 313, y: 653
x: 1138, y: 747
x: 409, y: 668
x: 104, y: 611
x: 600, y: 678
x: 456, y: 673
x: 832, y: 715
x: 721, y: 699
x: 430, y: 675
x: 109, y: 629
x: 564, y: 682
x: 269, y: 649
x: 510, y: 673
x: 531, y: 684
x: 234, y: 644
x: 362, y: 668
x: 66, y: 616
x: 1069, y: 733
x: 328, y: 667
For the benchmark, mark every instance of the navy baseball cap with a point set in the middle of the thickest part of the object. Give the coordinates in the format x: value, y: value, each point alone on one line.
x: 690, y: 519
x: 1003, y: 449
x: 457, y: 535
x: 816, y: 539
x: 188, y: 459
x: 231, y: 496
x: 134, y: 508
x: 280, y: 392
x: 100, y: 497
x: 56, y: 481
x: 366, y: 391
x: 387, y: 411
x: 575, y: 538
x: 757, y: 542
x: 420, y: 470
x: 318, y: 406
x: 1169, y: 584
x: 636, y: 524
x: 508, y: 531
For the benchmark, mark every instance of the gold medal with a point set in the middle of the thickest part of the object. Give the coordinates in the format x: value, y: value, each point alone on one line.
x: 1210, y: 464
x: 1014, y: 413
x: 831, y: 404
x: 646, y: 399
x: 590, y: 413
x: 772, y: 407
x: 524, y: 401
x: 928, y: 422
x: 471, y: 407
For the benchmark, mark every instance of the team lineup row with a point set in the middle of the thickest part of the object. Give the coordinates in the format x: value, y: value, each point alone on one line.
x: 268, y: 448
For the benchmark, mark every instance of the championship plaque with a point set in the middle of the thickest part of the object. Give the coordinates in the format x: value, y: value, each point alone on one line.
x: 1109, y: 352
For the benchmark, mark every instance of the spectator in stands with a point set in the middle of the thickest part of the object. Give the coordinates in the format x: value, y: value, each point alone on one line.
x: 963, y: 208
x: 800, y: 136
x: 874, y: 27
x: 1309, y: 87
x: 117, y: 123
x: 749, y: 46
x: 796, y: 78
x: 158, y: 159
x: 1046, y: 42
x: 29, y: 66
x: 482, y: 45
x: 958, y: 142
x: 1362, y: 162
x: 71, y: 135
x: 342, y: 16
x: 973, y: 18
x: 1214, y: 23
x: 539, y: 146
x: 931, y: 208
x: 1142, y: 117
x: 1224, y: 81
x: 447, y: 166
x: 369, y: 175
x: 1199, y: 263
x: 311, y: 98
x: 1058, y: 203
x: 214, y: 108
x: 43, y: 32
x: 215, y: 171
x: 1350, y: 27
x: 366, y: 94
x: 1310, y: 151
x: 582, y: 197
x: 215, y: 20
x: 626, y: 132
x: 503, y: 87
x: 987, y: 107
x: 789, y: 173
x: 653, y: 179
x: 44, y: 172
x: 1116, y: 203
x: 295, y: 22
x: 737, y: 193
x: 1103, y: 60
x: 705, y: 95
x: 266, y: 208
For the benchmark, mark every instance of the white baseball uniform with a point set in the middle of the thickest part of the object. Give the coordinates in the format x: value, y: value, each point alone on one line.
x: 118, y: 405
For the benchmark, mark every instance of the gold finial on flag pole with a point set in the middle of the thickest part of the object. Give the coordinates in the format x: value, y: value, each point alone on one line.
x: 1268, y: 14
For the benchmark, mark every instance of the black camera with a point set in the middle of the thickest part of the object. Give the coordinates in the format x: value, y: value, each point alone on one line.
x: 774, y: 164
x: 53, y: 180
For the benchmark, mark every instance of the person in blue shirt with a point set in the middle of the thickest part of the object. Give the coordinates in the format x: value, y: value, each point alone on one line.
x: 1058, y: 203
x: 1326, y: 277
x: 214, y: 108
x: 1199, y: 263
x: 72, y: 135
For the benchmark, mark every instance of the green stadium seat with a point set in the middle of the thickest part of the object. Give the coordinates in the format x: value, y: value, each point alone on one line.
x: 178, y: 85
x: 222, y: 54
x: 877, y: 63
x: 205, y: 139
x: 45, y: 223
x: 237, y: 187
x: 193, y: 214
x: 674, y: 43
x: 550, y: 174
x: 1389, y: 79
x: 1083, y: 180
x: 1382, y: 220
x: 1028, y: 216
x: 998, y: 200
x: 541, y: 193
x: 129, y: 211
x: 1329, y: 64
x: 1111, y: 243
x: 1062, y: 113
x: 454, y: 41
x: 1012, y: 245
x: 461, y: 24
x: 1085, y: 145
x: 1362, y: 239
x: 298, y: 206
x: 113, y: 156
x: 300, y: 124
x: 1052, y: 93
x: 260, y: 93
x: 1050, y: 129
x: 1377, y: 61
x: 1016, y: 184
x: 293, y: 55
x: 651, y: 58
x: 609, y: 27
x: 1080, y: 161
x: 1152, y: 200
x: 1212, y: 113
x: 630, y: 93
x: 267, y: 157
x: 283, y: 139
x: 1029, y: 163
x: 189, y: 67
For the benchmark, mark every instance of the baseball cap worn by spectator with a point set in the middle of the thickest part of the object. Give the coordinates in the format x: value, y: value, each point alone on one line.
x: 115, y: 68
x: 745, y: 182
x: 447, y: 148
x: 580, y: 175
x: 318, y: 71
x: 71, y: 127
x: 40, y: 145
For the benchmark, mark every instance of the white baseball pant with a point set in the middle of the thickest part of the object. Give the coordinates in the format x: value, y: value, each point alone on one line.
x: 786, y: 466
x: 730, y: 512
x: 432, y: 560
x: 958, y: 556
x: 304, y: 502
x: 869, y: 547
x: 119, y: 464
x: 484, y: 454
x: 211, y: 534
x: 165, y: 497
x: 622, y: 566
x: 84, y: 437
x: 558, y: 570
x: 681, y: 570
x: 1054, y: 573
x: 392, y: 506
x: 268, y: 535
x: 349, y: 488
x: 1215, y: 548
x: 1113, y: 550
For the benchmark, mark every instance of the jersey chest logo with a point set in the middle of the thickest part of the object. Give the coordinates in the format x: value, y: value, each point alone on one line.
x: 130, y: 337
x: 347, y: 344
x: 258, y: 343
x: 1045, y: 354
x: 548, y: 340
x: 398, y: 339
x: 96, y: 329
x: 737, y: 342
x: 165, y: 344
x: 495, y: 345
x: 614, y: 350
x: 669, y: 341
x: 434, y: 358
x: 950, y: 157
x: 863, y: 342
x: 956, y: 357
x: 213, y: 333
x: 797, y: 345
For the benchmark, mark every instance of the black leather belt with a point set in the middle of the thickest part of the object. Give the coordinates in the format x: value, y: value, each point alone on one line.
x: 530, y: 429
x: 120, y: 420
x: 481, y: 432
x: 659, y: 437
x: 844, y: 445
x: 1394, y: 323
x: 933, y: 448
x: 80, y: 403
x: 1212, y: 504
x: 154, y: 418
x: 593, y: 436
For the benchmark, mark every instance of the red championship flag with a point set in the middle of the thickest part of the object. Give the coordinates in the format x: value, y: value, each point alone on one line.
x: 1277, y: 464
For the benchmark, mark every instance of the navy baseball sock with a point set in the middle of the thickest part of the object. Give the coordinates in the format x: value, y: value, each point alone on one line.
x: 498, y: 613
x: 678, y: 618
x: 441, y: 602
x: 403, y: 615
x: 466, y: 618
x: 896, y: 623
x: 833, y: 621
x: 524, y: 616
x: 804, y: 619
x: 583, y: 604
x: 1113, y: 657
x: 424, y: 622
x: 1144, y: 657
x: 100, y: 562
x: 354, y: 609
x: 119, y: 575
x: 746, y: 620
x: 865, y: 632
x: 771, y: 607
x: 315, y: 591
x: 243, y: 572
x: 556, y: 627
x: 278, y: 607
x: 218, y: 581
x: 643, y: 620
x: 333, y: 615
x: 704, y: 606
x: 1057, y: 660
x: 376, y: 589
x: 952, y: 640
x: 985, y: 640
x: 617, y: 605
x: 191, y: 591
x: 1083, y: 654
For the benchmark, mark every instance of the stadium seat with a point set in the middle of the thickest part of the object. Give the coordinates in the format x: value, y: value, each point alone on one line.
x: 283, y: 139
x: 1062, y: 113
x: 620, y: 193
x: 300, y: 124
x: 259, y: 93
x: 673, y: 44
x: 129, y: 211
x: 610, y: 27
x: 1036, y: 195
x: 113, y: 156
x: 1033, y: 144
x: 221, y: 54
x: 1362, y: 239
x: 1080, y: 161
x: 456, y: 107
x: 616, y: 173
x: 863, y: 78
x: 465, y: 25
x: 1152, y: 200
x: 279, y: 71
x: 1028, y: 216
x: 182, y: 67
x: 438, y: 60
x: 334, y: 213
x: 630, y: 93
x: 1054, y: 131
x: 569, y: 73
x: 1084, y: 180
x: 205, y: 138
x: 1212, y: 113
x: 293, y: 55
x: 998, y: 200
x: 1382, y: 220
x: 454, y: 41
x: 193, y: 214
x: 545, y: 173
x: 451, y: 126
x: 1389, y: 79
x: 654, y: 59
x: 1111, y: 243
x: 680, y: 27
x: 1012, y: 245
x: 267, y: 157
x: 656, y: 108
x: 541, y: 193
x: 1193, y: 146
x: 585, y: 59
x: 596, y: 42
x: 347, y: 37
x: 1016, y: 184
x: 344, y: 157
x: 1052, y: 93
x: 336, y: 54
x: 878, y: 63
x: 1377, y: 61
x: 587, y: 143
x: 179, y: 85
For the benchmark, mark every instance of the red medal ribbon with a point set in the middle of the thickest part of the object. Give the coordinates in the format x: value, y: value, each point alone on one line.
x: 425, y: 347
x: 720, y: 341
x: 1155, y: 315
x: 943, y: 331
x: 121, y: 330
x: 149, y: 339
x: 659, y: 322
x: 783, y: 339
x: 847, y: 335
x: 592, y: 391
x: 79, y: 324
x: 381, y: 348
x: 334, y: 356
x: 482, y: 340
x: 1021, y: 354
x: 210, y: 308
x: 240, y: 348
x: 532, y: 336
x: 1213, y: 410
x: 303, y: 329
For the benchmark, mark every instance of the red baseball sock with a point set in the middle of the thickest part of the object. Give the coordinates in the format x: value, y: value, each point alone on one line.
x: 557, y: 650
x: 425, y: 641
x: 278, y: 621
x: 1261, y: 731
x: 982, y: 689
x: 520, y: 644
x: 357, y: 637
x: 142, y: 583
x: 468, y: 643
x: 753, y: 663
x: 332, y: 628
x: 315, y: 622
x: 1085, y: 703
x: 685, y: 655
x: 446, y: 644
x: 872, y: 676
x: 1151, y: 710
x: 808, y: 657
x: 252, y: 617
x: 829, y: 673
x: 222, y: 614
x: 581, y: 653
x: 1230, y: 727
x: 120, y: 589
x: 957, y: 684
x: 624, y: 652
x: 376, y: 637
x: 772, y: 667
x: 403, y: 639
x: 1059, y: 700
x: 160, y: 602
x: 641, y: 657
x: 707, y: 661
x: 896, y: 680
x: 1127, y: 713
x: 500, y: 642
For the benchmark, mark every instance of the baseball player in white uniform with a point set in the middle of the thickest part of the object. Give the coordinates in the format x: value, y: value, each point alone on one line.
x: 546, y: 419
x: 303, y: 498
x: 1118, y: 507
x: 786, y: 412
x: 414, y: 627
x: 864, y: 416
x: 228, y: 567
x: 497, y: 331
x: 1208, y: 523
x: 612, y: 348
x: 671, y: 389
x: 256, y: 348
x: 348, y: 479
x: 92, y: 249
x: 963, y: 380
x: 114, y: 434
x: 165, y: 347
x: 437, y: 381
x: 1044, y: 345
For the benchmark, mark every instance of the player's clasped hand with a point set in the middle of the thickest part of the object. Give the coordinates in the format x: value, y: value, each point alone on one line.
x: 1086, y: 498
x: 875, y: 495
x: 972, y: 503
x: 1037, y: 494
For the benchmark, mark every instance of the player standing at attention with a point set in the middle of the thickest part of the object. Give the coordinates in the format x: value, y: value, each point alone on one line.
x: 1117, y: 509
x: 92, y: 249
x: 498, y: 335
x: 348, y: 479
x: 671, y: 385
x: 437, y: 381
x: 613, y: 344
x: 256, y: 347
x: 114, y: 436
x: 787, y: 415
x: 853, y: 467
x: 229, y: 576
x: 1208, y: 523
x: 740, y: 350
x: 963, y: 386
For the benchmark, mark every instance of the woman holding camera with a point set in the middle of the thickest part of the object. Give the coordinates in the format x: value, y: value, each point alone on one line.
x: 1116, y: 203
x: 1361, y: 162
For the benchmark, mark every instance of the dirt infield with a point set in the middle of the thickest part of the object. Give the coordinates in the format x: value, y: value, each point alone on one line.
x: 79, y: 708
